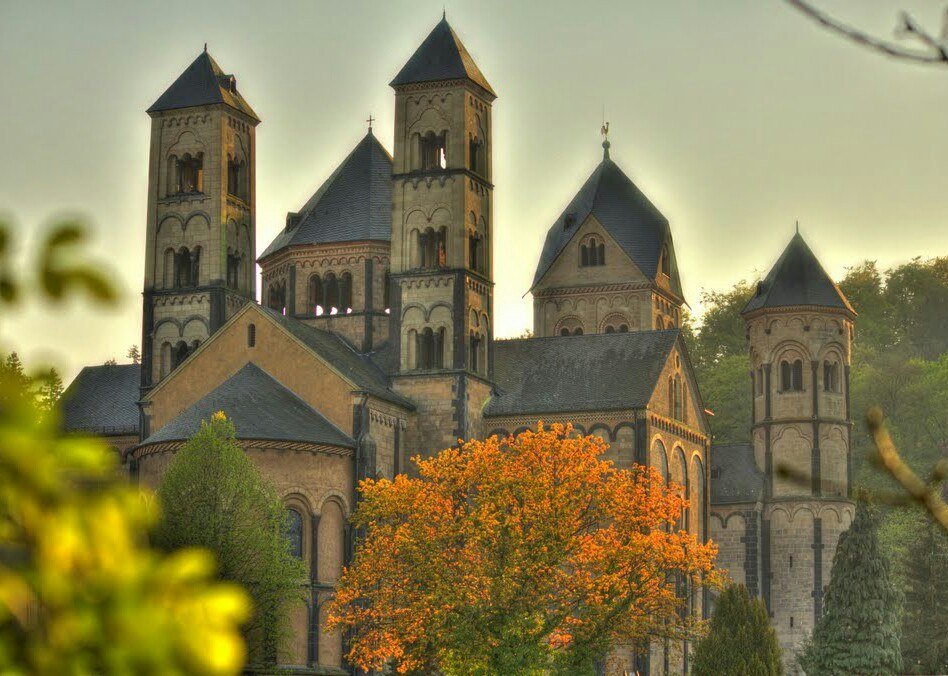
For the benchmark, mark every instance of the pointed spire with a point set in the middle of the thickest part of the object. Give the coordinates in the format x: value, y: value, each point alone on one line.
x: 203, y: 83
x: 441, y: 56
x: 797, y: 278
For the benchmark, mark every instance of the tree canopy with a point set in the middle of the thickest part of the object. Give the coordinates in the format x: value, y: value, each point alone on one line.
x: 516, y: 555
x: 741, y: 640
x: 213, y: 496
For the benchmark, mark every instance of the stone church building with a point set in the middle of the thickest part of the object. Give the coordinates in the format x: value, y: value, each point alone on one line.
x: 374, y: 340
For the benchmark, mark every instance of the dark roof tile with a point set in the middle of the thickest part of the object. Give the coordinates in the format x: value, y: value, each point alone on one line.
x: 260, y: 408
x: 578, y: 373
x: 734, y: 474
x: 353, y: 204
x: 636, y: 225
x: 202, y: 83
x: 103, y: 400
x: 797, y: 278
x: 442, y: 56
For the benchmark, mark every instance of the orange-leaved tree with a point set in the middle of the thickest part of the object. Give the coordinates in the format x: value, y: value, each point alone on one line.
x: 513, y: 556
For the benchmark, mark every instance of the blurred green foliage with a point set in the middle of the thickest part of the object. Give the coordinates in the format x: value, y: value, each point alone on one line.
x: 81, y: 592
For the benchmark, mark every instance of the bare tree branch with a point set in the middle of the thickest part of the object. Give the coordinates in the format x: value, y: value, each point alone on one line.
x: 937, y: 47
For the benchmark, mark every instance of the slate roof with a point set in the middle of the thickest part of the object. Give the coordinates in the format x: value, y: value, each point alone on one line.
x: 103, y: 400
x: 260, y: 408
x: 593, y: 372
x: 797, y: 278
x: 442, y: 56
x: 337, y: 352
x: 627, y: 215
x: 202, y: 83
x: 734, y: 474
x: 354, y: 203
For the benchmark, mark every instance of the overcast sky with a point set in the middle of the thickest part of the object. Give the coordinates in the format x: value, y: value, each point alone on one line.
x: 735, y: 117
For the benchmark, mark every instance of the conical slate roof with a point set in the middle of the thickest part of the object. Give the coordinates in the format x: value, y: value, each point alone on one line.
x: 202, y: 83
x: 627, y: 215
x: 442, y: 56
x: 353, y: 204
x: 797, y: 278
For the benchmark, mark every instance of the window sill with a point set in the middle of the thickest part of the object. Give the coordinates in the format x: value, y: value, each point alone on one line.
x: 183, y: 197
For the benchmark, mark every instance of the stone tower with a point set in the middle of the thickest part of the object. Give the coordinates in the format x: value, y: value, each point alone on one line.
x: 442, y: 284
x: 800, y: 328
x: 200, y: 245
x: 608, y: 263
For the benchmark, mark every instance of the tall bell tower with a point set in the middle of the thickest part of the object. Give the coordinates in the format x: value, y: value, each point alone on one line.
x: 201, y: 239
x: 800, y: 328
x: 442, y: 225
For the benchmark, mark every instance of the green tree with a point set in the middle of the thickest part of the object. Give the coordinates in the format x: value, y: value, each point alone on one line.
x: 49, y: 388
x: 859, y: 630
x: 741, y: 640
x: 134, y: 354
x: 213, y: 496
x: 925, y: 621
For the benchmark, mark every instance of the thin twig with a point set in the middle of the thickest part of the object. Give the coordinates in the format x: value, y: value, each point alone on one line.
x: 908, y: 27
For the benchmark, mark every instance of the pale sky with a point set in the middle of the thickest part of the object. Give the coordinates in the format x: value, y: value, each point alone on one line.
x: 735, y: 117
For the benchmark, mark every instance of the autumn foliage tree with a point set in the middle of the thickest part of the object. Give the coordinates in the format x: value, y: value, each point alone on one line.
x: 516, y: 555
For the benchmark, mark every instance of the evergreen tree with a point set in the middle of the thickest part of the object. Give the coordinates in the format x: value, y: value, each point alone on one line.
x: 49, y: 388
x: 212, y: 496
x: 134, y: 354
x: 741, y: 641
x: 860, y: 628
x: 925, y: 622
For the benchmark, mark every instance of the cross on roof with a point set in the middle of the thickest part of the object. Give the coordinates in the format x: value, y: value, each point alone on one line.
x: 370, y: 121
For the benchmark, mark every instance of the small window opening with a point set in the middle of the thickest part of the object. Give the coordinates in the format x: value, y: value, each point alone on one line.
x: 251, y: 335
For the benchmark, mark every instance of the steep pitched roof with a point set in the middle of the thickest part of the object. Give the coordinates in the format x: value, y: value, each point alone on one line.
x: 354, y: 203
x: 797, y: 278
x: 103, y: 400
x: 337, y: 352
x: 442, y: 56
x: 202, y: 83
x: 592, y: 372
x: 734, y: 474
x: 260, y: 408
x: 627, y: 215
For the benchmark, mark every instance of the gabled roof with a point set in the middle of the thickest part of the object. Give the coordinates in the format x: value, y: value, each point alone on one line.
x: 103, y: 400
x: 797, y: 278
x: 636, y: 225
x: 260, y: 408
x: 734, y: 474
x: 202, y: 83
x: 441, y: 56
x: 341, y: 356
x: 592, y: 372
x: 354, y: 203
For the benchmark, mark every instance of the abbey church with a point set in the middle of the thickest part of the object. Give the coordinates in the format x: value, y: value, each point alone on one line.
x: 373, y: 340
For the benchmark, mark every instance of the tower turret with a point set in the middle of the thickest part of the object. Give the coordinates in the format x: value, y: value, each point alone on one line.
x: 442, y: 223
x: 200, y: 244
x: 800, y: 328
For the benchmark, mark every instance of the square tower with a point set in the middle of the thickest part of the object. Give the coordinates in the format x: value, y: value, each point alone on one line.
x: 201, y: 239
x: 442, y: 282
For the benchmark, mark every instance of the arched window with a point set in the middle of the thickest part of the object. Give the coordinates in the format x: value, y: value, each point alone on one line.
x: 174, y: 186
x: 236, y: 178
x: 831, y: 376
x: 294, y: 532
x: 182, y: 268
x: 476, y: 353
x: 584, y: 255
x: 610, y: 329
x: 345, y: 292
x: 387, y: 291
x: 601, y: 254
x: 475, y: 154
x: 791, y: 376
x: 179, y: 354
x: 164, y: 367
x: 623, y: 328
x: 427, y: 349
x: 578, y: 332
x: 785, y: 377
x: 664, y: 264
x: 191, y: 173
x: 276, y: 296
x: 564, y: 331
x: 678, y: 407
x: 697, y: 497
x: 660, y: 459
x: 331, y: 291
x: 432, y: 248
x: 671, y: 396
x: 798, y: 375
x: 314, y: 294
x: 683, y: 470
x: 233, y: 269
x: 251, y: 335
x: 434, y: 151
x: 168, y: 272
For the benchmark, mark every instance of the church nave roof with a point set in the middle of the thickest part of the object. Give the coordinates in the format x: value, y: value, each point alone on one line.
x: 103, y: 399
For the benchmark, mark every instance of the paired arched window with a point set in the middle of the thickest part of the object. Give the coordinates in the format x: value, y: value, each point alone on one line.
x: 237, y: 178
x: 181, y: 351
x: 578, y: 331
x: 186, y: 174
x: 294, y: 532
x: 432, y: 248
x: 475, y: 251
x: 475, y: 156
x: 433, y: 151
x: 430, y: 348
x: 233, y: 269
x: 276, y: 296
x: 791, y: 375
x: 592, y: 253
x: 622, y: 328
x: 831, y: 376
x: 187, y: 267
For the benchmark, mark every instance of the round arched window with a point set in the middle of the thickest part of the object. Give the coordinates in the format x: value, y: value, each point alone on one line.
x: 294, y: 532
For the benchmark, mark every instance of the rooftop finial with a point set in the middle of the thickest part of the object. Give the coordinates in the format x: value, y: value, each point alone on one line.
x: 370, y: 121
x: 605, y: 140
x: 444, y: 13
x: 205, y: 48
x: 798, y: 226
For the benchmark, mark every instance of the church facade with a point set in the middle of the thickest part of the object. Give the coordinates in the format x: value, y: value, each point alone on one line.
x: 374, y: 341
